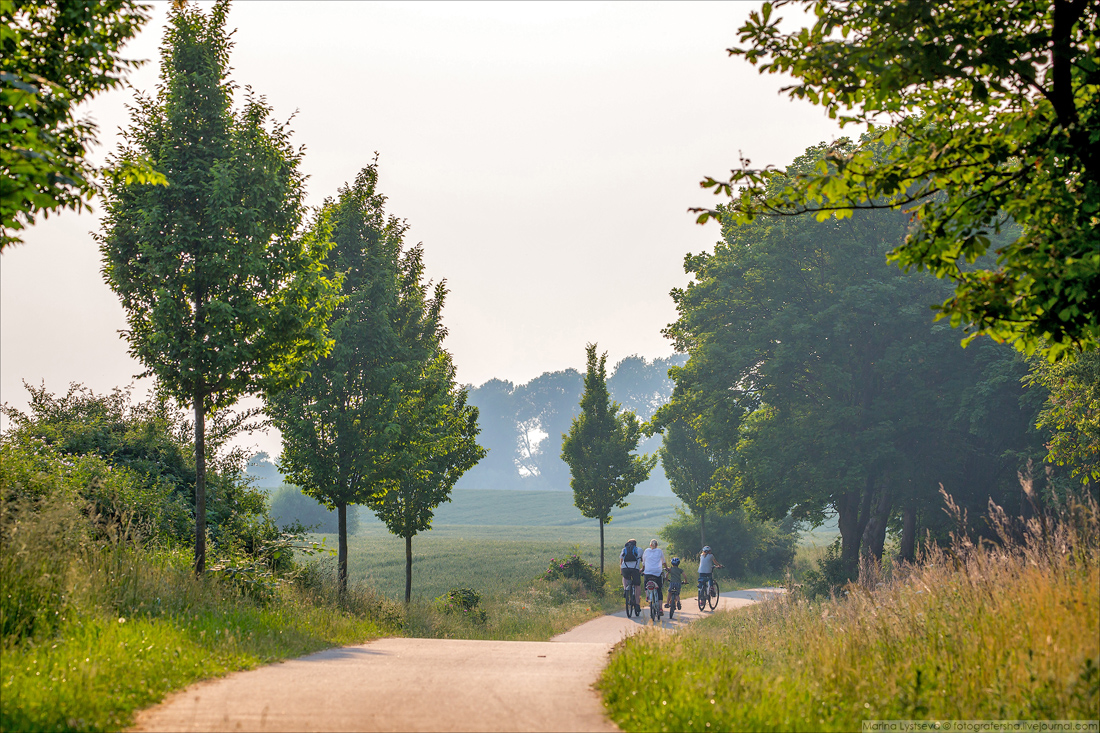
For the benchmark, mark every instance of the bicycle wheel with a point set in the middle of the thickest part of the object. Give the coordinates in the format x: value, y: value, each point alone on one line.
x: 672, y: 605
x: 628, y: 594
x: 653, y: 610
x: 713, y: 600
x: 702, y: 597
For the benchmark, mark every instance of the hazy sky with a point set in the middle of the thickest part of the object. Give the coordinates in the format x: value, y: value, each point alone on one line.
x: 545, y: 154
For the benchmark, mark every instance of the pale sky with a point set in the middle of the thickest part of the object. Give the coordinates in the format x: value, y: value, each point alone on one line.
x: 545, y: 154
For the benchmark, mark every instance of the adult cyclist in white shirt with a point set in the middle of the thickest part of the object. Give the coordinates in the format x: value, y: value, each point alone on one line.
x: 653, y: 565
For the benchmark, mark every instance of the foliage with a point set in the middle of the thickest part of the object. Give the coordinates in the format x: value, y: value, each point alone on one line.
x: 290, y: 505
x: 577, y: 568
x: 522, y: 424
x: 1072, y: 413
x: 979, y: 114
x: 463, y: 601
x: 54, y: 56
x: 598, y: 449
x: 817, y: 376
x: 222, y: 295
x: 348, y: 426
x: 95, y: 623
x: 828, y: 578
x: 746, y: 546
x: 438, y: 430
x: 1023, y: 615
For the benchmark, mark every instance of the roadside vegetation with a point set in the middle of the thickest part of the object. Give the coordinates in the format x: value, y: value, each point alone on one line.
x: 1002, y: 630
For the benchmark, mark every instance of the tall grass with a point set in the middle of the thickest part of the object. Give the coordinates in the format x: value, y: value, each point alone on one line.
x: 96, y: 626
x: 1006, y: 631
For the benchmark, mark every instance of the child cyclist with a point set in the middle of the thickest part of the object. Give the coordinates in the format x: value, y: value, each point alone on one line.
x: 707, y: 564
x: 675, y: 580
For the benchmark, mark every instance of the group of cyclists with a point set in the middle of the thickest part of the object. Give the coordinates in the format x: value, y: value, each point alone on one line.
x: 641, y: 568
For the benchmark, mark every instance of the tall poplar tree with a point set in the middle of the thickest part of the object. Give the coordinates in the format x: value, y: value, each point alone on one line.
x: 343, y: 427
x: 222, y: 295
x: 598, y: 449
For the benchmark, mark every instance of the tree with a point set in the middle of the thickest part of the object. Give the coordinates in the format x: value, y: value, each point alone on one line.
x: 54, y: 56
x: 438, y: 439
x: 978, y: 114
x: 341, y: 425
x: 598, y: 449
x: 223, y: 297
x: 1072, y: 413
x: 690, y: 468
x: 816, y: 368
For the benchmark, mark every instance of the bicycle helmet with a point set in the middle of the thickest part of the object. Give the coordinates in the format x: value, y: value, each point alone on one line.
x: 675, y: 561
x: 706, y: 549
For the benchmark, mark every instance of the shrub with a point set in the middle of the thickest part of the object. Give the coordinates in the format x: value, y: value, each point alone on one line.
x: 746, y: 546
x: 576, y: 567
x: 463, y: 601
x: 830, y: 575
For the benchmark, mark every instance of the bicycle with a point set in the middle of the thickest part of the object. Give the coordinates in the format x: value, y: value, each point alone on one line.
x: 655, y: 611
x: 631, y: 598
x: 708, y: 594
x: 673, y: 599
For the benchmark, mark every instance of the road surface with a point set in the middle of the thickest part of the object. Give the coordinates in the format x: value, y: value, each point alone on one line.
x: 399, y: 684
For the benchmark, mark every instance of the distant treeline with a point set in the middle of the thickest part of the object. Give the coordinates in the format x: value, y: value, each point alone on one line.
x: 522, y: 425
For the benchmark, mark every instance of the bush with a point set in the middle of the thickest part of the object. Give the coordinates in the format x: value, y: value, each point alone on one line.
x: 289, y: 505
x: 830, y: 575
x: 462, y: 601
x: 746, y: 546
x: 576, y: 567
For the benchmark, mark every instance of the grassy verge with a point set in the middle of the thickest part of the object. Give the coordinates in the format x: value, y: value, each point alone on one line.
x: 1005, y: 633
x: 130, y: 625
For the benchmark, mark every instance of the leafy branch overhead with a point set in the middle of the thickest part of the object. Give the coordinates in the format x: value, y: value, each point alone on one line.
x: 54, y: 56
x: 979, y: 116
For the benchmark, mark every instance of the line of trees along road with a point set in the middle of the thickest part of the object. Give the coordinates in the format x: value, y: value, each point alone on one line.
x: 379, y: 420
x: 228, y: 293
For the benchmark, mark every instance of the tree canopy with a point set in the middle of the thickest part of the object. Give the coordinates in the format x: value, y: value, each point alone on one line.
x: 979, y: 114
x: 817, y: 370
x: 54, y: 56
x: 598, y: 449
x: 348, y: 427
x: 222, y: 294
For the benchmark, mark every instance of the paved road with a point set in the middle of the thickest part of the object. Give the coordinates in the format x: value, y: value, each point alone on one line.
x: 399, y: 684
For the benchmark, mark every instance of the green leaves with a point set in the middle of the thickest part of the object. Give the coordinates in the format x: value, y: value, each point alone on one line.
x: 599, y: 445
x: 54, y: 56
x: 978, y: 114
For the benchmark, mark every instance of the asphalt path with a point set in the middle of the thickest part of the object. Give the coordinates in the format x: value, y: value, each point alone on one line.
x: 400, y: 684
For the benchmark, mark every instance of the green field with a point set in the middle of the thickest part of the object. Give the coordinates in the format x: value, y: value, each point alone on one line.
x: 495, y: 560
x: 540, y: 509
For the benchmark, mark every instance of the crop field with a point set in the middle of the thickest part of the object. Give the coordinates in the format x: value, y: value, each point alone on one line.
x: 493, y: 560
x: 540, y: 509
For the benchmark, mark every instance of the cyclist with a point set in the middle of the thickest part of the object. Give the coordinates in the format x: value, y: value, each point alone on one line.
x: 653, y: 565
x: 707, y: 564
x: 675, y: 580
x: 629, y: 568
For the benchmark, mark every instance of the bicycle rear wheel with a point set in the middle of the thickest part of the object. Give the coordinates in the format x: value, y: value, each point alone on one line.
x: 702, y: 596
x: 628, y: 594
x: 672, y: 598
x: 713, y: 600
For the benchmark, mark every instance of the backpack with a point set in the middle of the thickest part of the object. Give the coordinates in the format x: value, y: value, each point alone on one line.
x: 630, y: 553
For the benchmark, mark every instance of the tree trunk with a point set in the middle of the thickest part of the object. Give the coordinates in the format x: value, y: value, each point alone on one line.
x: 408, y: 568
x: 874, y: 532
x: 702, y: 526
x: 601, y: 547
x: 342, y: 551
x: 200, y: 482
x: 909, y: 534
x: 853, y: 510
